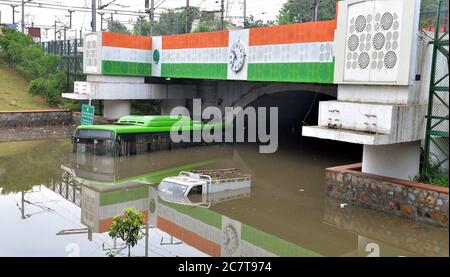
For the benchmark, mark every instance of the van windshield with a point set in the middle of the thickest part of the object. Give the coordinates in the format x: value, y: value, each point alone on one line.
x: 172, y: 189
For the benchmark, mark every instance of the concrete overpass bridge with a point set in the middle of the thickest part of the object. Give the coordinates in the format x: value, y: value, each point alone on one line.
x: 372, y: 58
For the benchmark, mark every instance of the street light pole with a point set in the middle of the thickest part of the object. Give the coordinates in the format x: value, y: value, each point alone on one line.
x: 14, y: 13
x: 23, y: 16
x: 222, y: 10
x: 245, y: 12
x: 101, y: 21
x: 186, y: 23
x: 94, y: 16
x: 70, y: 18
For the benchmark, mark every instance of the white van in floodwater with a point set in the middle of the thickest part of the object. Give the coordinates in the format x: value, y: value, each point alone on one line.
x: 200, y: 184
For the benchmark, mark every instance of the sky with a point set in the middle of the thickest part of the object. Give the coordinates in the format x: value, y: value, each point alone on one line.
x: 45, y: 18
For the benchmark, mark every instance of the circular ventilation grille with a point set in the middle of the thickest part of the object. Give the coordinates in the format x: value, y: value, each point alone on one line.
x: 378, y: 41
x: 390, y: 59
x: 353, y: 42
x: 363, y: 60
x: 360, y: 23
x: 386, y: 21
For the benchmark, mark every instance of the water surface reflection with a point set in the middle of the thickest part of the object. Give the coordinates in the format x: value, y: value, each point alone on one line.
x: 58, y: 204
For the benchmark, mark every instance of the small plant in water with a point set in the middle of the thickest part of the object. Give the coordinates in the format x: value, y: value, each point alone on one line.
x: 127, y: 227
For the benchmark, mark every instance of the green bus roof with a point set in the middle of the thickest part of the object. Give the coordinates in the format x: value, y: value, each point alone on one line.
x: 152, y: 124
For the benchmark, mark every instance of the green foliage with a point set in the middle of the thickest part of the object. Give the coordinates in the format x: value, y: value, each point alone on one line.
x: 297, y: 11
x: 428, y: 9
x: 118, y: 27
x: 50, y: 87
x: 250, y: 22
x: 27, y: 58
x: 128, y: 227
x: 435, y: 176
x: 171, y: 21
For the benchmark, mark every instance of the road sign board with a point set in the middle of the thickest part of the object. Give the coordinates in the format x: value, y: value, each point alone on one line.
x: 87, y: 114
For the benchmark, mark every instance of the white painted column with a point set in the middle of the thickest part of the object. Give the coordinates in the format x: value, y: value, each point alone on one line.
x: 401, y: 160
x: 168, y: 105
x: 114, y: 109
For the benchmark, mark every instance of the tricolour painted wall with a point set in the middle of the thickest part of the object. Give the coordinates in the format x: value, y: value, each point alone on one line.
x: 288, y: 53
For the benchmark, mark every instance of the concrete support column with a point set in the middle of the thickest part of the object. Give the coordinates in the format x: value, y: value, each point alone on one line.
x: 114, y: 109
x: 401, y: 160
x: 168, y: 105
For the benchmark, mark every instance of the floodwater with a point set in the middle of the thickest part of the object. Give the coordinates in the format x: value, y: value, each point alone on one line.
x: 56, y: 203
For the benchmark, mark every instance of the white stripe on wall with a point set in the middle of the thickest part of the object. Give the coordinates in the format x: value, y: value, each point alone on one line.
x: 292, y: 52
x: 126, y: 55
x: 195, y: 55
x: 113, y: 210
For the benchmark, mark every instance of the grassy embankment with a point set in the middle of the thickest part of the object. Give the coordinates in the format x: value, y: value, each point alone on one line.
x: 14, y: 94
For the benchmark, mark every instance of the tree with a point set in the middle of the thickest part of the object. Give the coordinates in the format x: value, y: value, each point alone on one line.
x: 171, y: 21
x: 118, y: 27
x: 127, y: 227
x: 250, y: 22
x: 297, y: 11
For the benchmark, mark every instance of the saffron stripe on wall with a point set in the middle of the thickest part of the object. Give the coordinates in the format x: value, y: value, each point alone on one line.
x: 126, y: 68
x: 292, y: 72
x: 189, y: 237
x: 196, y: 40
x: 126, y: 41
x: 319, y: 31
x: 195, y: 71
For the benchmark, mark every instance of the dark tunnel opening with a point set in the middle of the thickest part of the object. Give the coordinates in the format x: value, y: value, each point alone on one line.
x: 299, y: 108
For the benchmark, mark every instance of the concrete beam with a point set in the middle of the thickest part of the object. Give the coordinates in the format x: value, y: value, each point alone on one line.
x: 128, y: 91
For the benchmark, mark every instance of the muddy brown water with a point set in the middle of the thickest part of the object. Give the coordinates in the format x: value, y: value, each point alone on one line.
x: 56, y: 203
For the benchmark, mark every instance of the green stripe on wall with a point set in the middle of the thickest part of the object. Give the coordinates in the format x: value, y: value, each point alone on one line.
x: 274, y: 244
x: 122, y: 195
x: 126, y: 68
x: 216, y: 71
x: 292, y: 72
x: 204, y: 215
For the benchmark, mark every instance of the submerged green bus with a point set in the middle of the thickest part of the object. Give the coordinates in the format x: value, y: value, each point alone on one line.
x: 132, y: 135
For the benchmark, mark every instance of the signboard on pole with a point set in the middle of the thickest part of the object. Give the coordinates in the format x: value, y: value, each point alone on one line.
x: 87, y: 114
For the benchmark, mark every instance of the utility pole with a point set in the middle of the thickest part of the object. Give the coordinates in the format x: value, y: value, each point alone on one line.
x: 315, y: 9
x: 70, y: 18
x: 23, y: 16
x: 111, y: 22
x: 186, y: 23
x: 55, y: 30
x: 14, y: 13
x: 222, y: 10
x: 245, y: 13
x: 94, y: 16
x: 150, y: 8
x: 101, y: 21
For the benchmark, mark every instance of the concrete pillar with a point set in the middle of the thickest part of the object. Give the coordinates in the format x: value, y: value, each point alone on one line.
x: 168, y: 105
x: 401, y: 160
x: 114, y: 109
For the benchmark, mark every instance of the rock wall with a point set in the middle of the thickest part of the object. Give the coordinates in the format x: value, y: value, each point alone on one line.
x: 416, y: 201
x: 35, y: 118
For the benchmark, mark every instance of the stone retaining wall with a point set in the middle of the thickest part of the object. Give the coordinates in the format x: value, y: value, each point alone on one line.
x: 417, y: 201
x: 12, y: 119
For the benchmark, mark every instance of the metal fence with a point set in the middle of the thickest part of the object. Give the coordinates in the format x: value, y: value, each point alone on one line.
x: 436, y: 149
x: 71, y: 58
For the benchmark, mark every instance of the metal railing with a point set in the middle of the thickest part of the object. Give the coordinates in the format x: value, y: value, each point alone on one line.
x: 437, y: 120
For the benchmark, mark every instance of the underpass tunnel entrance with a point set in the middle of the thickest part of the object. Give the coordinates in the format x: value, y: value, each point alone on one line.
x: 295, y: 110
